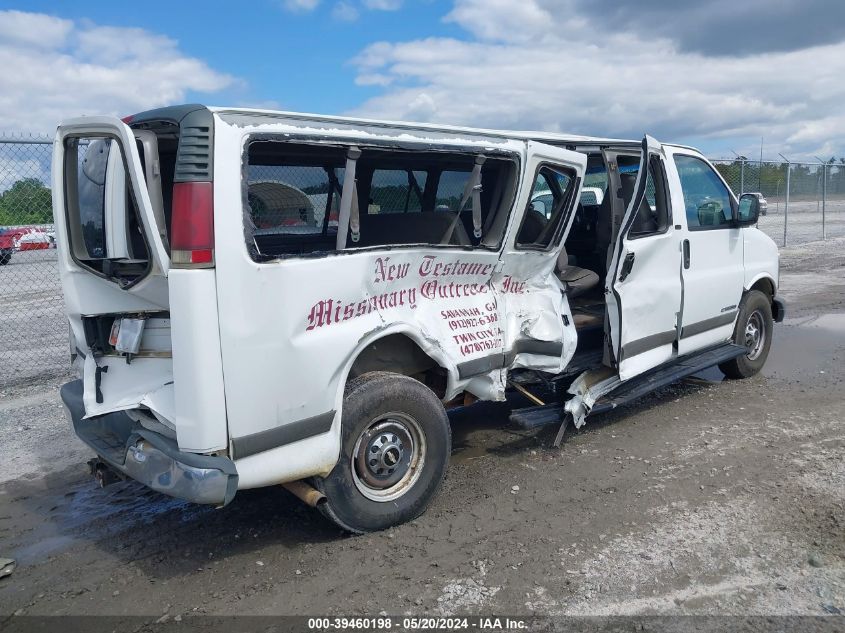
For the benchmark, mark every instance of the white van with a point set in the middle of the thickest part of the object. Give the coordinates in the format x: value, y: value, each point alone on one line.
x: 260, y: 298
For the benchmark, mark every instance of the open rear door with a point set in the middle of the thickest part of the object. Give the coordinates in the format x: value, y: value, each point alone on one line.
x: 111, y: 245
x: 113, y: 264
x: 643, y: 287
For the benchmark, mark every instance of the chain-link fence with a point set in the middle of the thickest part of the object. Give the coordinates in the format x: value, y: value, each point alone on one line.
x: 33, y: 330
x: 806, y: 202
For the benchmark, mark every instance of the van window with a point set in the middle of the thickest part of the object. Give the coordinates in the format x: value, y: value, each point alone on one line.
x: 653, y: 215
x: 404, y: 197
x: 547, y: 208
x: 396, y: 191
x: 706, y: 198
x: 103, y: 219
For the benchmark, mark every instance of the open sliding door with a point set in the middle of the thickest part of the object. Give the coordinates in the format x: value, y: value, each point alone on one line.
x: 643, y: 286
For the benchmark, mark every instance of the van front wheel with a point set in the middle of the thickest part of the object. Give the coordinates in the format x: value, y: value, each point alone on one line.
x: 395, y: 445
x: 754, y: 327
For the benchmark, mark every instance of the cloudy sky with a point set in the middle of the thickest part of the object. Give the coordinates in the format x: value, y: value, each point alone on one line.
x: 718, y: 74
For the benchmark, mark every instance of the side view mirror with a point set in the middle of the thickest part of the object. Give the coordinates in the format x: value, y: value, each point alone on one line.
x: 748, y: 210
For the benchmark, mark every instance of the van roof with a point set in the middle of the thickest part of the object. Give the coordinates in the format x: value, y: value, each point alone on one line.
x: 435, y: 127
x: 176, y: 113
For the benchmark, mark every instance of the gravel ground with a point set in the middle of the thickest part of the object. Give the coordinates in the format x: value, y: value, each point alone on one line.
x: 33, y: 329
x: 804, y: 221
x: 708, y: 497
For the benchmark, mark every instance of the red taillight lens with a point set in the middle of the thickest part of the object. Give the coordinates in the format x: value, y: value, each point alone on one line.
x: 192, y: 225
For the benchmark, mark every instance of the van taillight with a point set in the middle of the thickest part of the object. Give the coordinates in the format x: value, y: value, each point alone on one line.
x: 192, y: 225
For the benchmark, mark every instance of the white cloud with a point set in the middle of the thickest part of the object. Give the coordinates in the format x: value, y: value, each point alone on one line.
x: 33, y: 29
x: 300, y: 6
x: 75, y: 68
x: 540, y: 64
x: 345, y: 12
x: 22, y: 165
x: 383, y: 5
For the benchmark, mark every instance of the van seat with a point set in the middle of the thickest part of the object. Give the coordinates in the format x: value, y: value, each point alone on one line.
x: 408, y: 228
x: 578, y: 280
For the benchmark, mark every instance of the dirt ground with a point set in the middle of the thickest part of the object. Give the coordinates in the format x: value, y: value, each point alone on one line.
x: 709, y: 497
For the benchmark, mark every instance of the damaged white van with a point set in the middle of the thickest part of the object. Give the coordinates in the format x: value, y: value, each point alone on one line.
x: 260, y: 298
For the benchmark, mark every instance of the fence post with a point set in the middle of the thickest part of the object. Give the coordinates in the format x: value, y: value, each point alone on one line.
x: 786, y: 201
x: 741, y: 176
x: 824, y: 201
x: 824, y: 196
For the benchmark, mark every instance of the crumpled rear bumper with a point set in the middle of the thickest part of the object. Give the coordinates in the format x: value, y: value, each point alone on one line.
x: 149, y: 457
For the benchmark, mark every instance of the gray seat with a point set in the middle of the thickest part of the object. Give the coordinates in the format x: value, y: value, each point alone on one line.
x: 408, y: 228
x: 577, y: 280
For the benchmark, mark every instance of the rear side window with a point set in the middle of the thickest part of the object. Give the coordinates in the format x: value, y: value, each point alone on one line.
x: 707, y: 200
x: 103, y: 219
x: 396, y: 191
x: 294, y: 195
x: 550, y: 201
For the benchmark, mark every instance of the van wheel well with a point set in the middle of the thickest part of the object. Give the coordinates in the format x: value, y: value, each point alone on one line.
x: 400, y: 354
x: 764, y: 285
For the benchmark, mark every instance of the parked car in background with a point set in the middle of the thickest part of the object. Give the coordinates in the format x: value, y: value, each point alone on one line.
x: 24, y: 238
x: 7, y: 245
x: 34, y: 240
x: 761, y: 202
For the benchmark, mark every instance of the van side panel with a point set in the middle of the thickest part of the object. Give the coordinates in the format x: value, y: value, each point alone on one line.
x: 760, y: 257
x: 289, y: 329
x: 197, y: 361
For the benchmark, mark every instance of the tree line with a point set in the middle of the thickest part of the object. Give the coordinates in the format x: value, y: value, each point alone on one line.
x: 770, y: 178
x: 27, y: 201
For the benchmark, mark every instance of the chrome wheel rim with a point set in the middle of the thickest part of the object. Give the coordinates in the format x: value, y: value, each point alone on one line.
x: 388, y: 457
x: 755, y: 335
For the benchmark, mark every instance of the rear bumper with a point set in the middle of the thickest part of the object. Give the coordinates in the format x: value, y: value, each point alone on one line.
x: 778, y: 309
x: 149, y: 457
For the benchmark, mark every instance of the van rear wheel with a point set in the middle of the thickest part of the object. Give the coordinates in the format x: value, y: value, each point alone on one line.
x: 395, y: 445
x: 754, y: 327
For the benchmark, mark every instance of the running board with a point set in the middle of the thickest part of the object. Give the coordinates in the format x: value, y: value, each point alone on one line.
x: 659, y: 377
x: 625, y: 392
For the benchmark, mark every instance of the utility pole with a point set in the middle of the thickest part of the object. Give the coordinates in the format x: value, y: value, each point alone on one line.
x: 786, y: 201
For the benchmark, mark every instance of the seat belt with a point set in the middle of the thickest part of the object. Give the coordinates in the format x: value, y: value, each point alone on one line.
x: 354, y: 215
x: 348, y: 200
x: 471, y: 190
x: 495, y: 201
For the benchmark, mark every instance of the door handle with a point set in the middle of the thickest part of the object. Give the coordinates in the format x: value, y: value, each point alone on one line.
x: 686, y: 254
x: 627, y: 265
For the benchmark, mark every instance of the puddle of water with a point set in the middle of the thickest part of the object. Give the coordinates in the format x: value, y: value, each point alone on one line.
x: 804, y: 349
x: 42, y: 548
x: 56, y: 521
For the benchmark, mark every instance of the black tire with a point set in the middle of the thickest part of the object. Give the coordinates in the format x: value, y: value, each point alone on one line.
x: 4, y: 258
x: 364, y: 494
x: 755, y: 313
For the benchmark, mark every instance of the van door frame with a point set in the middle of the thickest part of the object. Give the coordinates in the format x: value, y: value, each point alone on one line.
x: 536, y: 322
